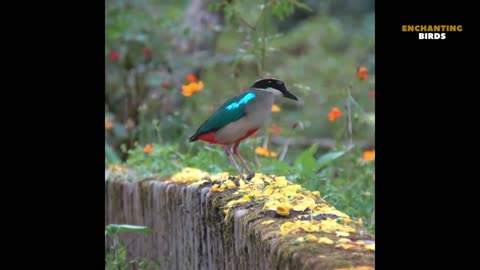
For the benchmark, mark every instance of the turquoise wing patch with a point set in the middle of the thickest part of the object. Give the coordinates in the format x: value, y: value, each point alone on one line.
x: 232, y: 110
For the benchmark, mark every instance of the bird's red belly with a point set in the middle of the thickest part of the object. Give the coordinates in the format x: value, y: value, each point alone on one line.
x: 210, y: 137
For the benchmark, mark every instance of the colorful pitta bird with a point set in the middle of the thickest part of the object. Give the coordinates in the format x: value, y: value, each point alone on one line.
x: 240, y: 117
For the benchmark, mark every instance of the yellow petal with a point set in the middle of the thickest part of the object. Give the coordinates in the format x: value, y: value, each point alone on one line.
x: 289, y: 227
x: 283, y: 209
x: 244, y: 199
x: 311, y: 238
x: 281, y: 181
x: 344, y: 240
x: 360, y: 221
x: 309, y: 227
x: 230, y: 184
x: 342, y: 234
x: 217, y: 188
x: 257, y: 181
x: 325, y: 240
x: 275, y: 108
x: 226, y: 214
x: 219, y: 176
x: 370, y: 247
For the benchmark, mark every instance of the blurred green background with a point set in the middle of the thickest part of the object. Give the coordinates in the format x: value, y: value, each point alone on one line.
x: 316, y: 47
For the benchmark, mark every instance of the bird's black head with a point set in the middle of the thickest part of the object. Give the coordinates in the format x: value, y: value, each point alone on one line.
x: 274, y: 85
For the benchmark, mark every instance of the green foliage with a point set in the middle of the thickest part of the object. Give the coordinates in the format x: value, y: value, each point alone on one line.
x: 305, y: 163
x: 116, y: 256
x: 110, y: 156
x: 162, y: 161
x: 317, y: 57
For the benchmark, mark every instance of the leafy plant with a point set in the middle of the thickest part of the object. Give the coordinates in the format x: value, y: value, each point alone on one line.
x: 116, y: 257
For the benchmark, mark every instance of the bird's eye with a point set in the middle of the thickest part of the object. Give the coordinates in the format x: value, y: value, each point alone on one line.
x: 269, y: 81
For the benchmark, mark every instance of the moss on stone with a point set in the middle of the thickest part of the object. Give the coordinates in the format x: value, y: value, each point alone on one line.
x: 262, y: 244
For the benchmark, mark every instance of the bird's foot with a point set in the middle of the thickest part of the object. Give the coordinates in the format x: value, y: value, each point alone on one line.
x: 250, y: 176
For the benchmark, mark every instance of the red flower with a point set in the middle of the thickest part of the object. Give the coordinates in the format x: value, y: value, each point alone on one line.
x: 165, y: 84
x: 274, y: 129
x: 362, y: 73
x: 372, y: 94
x: 113, y: 56
x: 147, y: 51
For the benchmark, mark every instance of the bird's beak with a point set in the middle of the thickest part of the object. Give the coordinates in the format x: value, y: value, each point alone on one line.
x: 289, y: 95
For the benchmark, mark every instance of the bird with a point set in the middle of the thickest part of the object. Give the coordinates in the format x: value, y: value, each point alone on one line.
x: 241, y: 116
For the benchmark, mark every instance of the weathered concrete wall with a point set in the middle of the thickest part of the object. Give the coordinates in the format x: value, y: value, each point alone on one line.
x: 189, y: 231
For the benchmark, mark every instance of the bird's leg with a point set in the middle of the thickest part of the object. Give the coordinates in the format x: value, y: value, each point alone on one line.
x: 235, y: 151
x: 232, y: 160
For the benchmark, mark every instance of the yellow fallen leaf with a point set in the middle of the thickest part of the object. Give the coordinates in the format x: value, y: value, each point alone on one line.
x: 289, y: 227
x: 244, y: 199
x: 370, y: 247
x: 325, y: 240
x: 188, y: 175
x: 311, y: 238
x: 348, y: 245
x: 283, y: 209
x: 217, y: 188
x: 309, y: 227
x: 331, y: 225
x: 267, y: 222
x: 342, y: 234
x: 230, y: 184
x: 360, y: 221
x: 257, y: 181
x: 219, y: 176
x: 344, y: 240
x: 281, y: 181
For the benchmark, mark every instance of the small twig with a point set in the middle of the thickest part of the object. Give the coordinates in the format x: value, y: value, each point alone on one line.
x: 286, y: 144
x: 115, y: 248
x: 265, y: 142
x: 264, y: 37
x: 242, y: 20
x: 372, y: 219
x: 348, y: 109
x: 284, y: 150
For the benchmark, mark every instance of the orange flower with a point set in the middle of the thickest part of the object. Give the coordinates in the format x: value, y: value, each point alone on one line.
x: 265, y: 152
x: 362, y: 73
x: 334, y: 114
x: 191, y: 78
x: 368, y: 155
x: 148, y: 148
x: 192, y: 88
x: 108, y: 124
x: 274, y: 129
x: 275, y: 108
